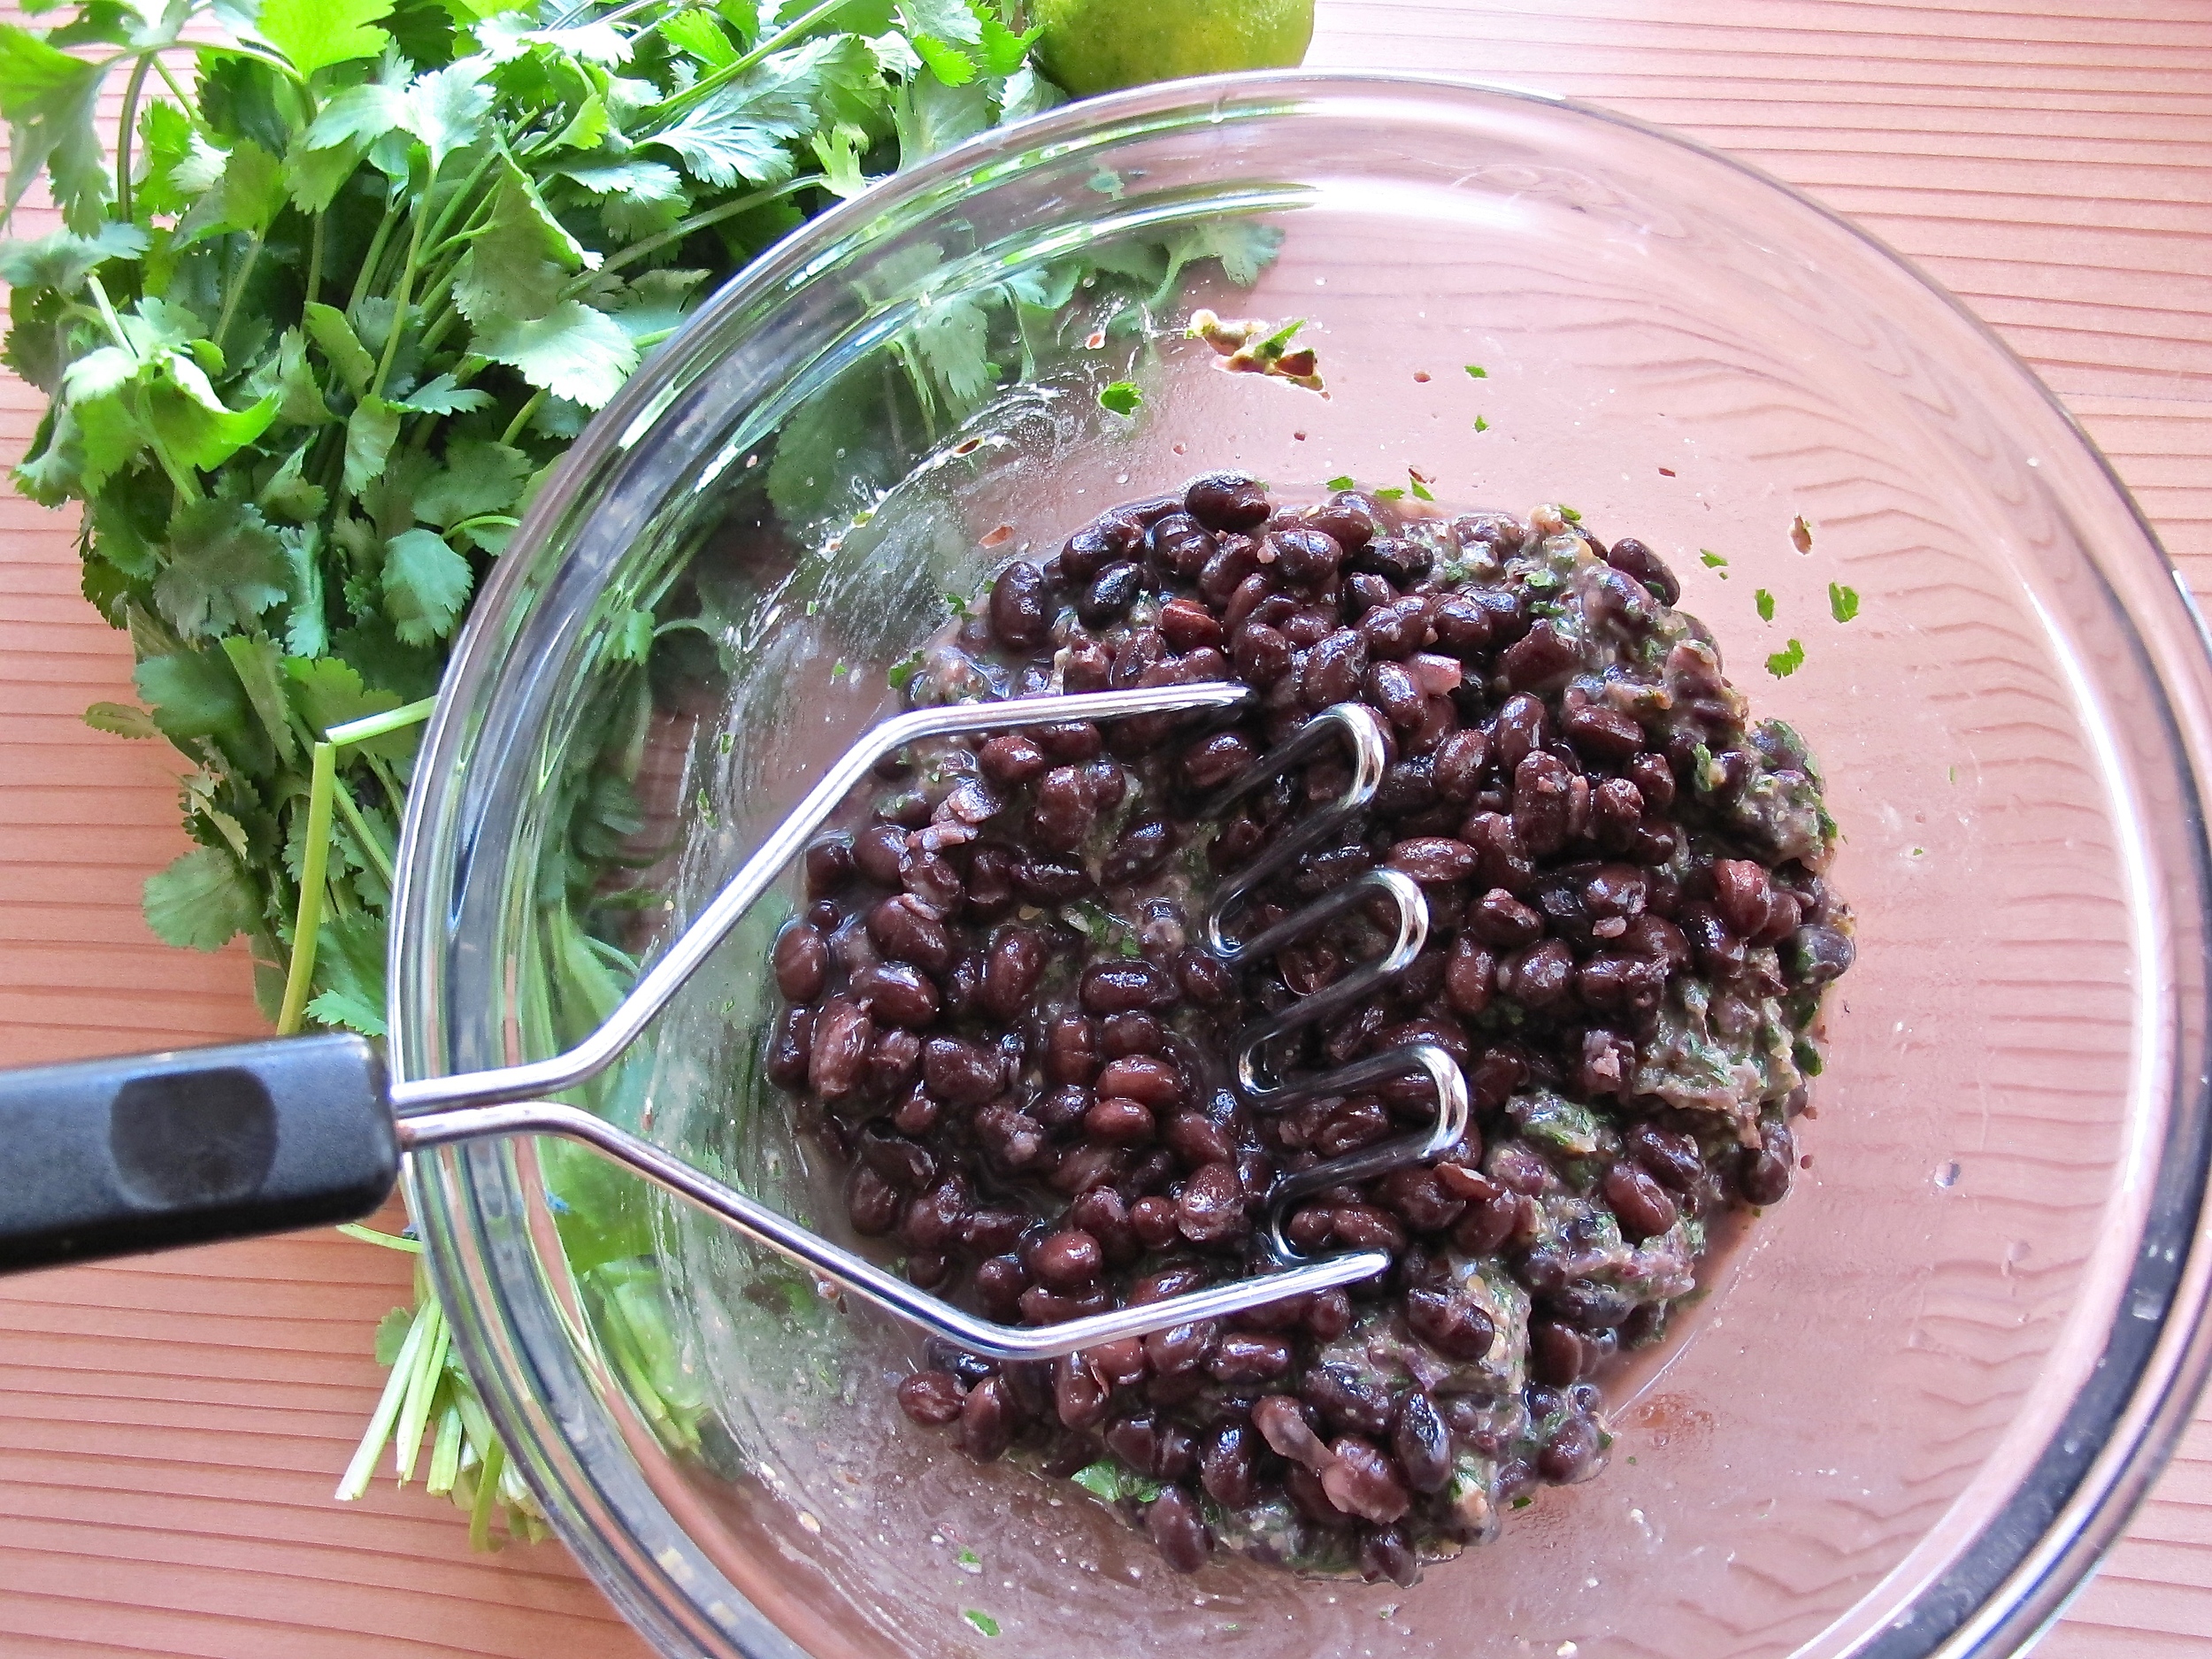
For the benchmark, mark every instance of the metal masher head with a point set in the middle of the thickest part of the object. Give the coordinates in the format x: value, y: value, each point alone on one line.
x: 508, y: 1101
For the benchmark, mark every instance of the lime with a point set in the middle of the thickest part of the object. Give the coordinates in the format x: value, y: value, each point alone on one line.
x: 1096, y: 45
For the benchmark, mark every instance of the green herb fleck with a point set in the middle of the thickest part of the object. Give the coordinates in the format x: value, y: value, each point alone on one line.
x: 1632, y: 1460
x: 969, y: 1559
x: 1481, y: 425
x: 1523, y: 1502
x: 1477, y: 372
x: 983, y: 1622
x: 1390, y: 495
x: 1121, y: 398
x: 1570, y: 514
x: 725, y: 742
x: 903, y: 672
x: 838, y: 668
x: 1711, y: 560
x: 1420, y: 491
x: 1843, y: 602
x: 1765, y: 601
x: 1954, y: 774
x: 1100, y: 1479
x: 1342, y: 480
x: 1919, y: 852
x: 959, y: 606
x: 1786, y: 662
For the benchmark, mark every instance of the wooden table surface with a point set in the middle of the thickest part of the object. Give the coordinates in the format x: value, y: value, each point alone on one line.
x: 171, y: 1429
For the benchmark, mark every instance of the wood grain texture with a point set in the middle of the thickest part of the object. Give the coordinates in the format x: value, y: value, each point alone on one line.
x: 170, y: 1431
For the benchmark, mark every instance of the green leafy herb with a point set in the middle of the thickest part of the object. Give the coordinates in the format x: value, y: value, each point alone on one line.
x: 1843, y: 602
x: 1481, y: 425
x: 1477, y: 372
x: 1121, y: 398
x: 1764, y: 600
x: 1420, y: 491
x: 1787, y: 661
x: 1343, y: 480
x: 983, y: 1622
x: 1710, y: 559
x: 1390, y: 495
x: 1570, y: 514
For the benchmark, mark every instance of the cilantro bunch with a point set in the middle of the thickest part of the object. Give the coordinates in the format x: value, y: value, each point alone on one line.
x: 352, y: 276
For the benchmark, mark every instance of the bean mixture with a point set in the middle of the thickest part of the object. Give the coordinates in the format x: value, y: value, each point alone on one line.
x: 999, y: 1017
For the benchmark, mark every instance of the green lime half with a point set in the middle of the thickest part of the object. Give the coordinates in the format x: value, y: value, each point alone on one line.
x: 1096, y: 45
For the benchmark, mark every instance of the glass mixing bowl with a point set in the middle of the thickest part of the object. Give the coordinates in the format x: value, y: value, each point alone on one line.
x: 1931, y: 1389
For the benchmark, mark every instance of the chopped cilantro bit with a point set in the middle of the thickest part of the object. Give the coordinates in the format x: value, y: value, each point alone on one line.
x: 1786, y: 662
x: 983, y: 1622
x: 1801, y: 535
x: 1481, y: 425
x: 1919, y: 852
x: 1100, y: 1479
x: 1390, y: 495
x: 1954, y: 774
x: 1632, y: 1460
x: 1523, y: 1502
x: 901, y: 672
x: 838, y: 668
x: 968, y: 1557
x: 1274, y: 344
x: 1343, y: 480
x: 1420, y: 491
x: 1121, y: 398
x: 1570, y: 515
x: 1765, y: 601
x: 1843, y: 602
x: 812, y: 606
x: 1477, y: 370
x: 1711, y: 560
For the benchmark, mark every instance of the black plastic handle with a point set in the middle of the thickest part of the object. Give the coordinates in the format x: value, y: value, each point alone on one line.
x: 109, y: 1158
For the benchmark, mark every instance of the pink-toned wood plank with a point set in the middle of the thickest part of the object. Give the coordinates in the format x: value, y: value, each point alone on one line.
x: 170, y: 1432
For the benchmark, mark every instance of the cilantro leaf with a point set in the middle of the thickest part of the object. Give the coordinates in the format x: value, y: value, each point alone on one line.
x: 51, y: 101
x: 225, y: 567
x: 1122, y: 397
x: 122, y: 718
x: 981, y: 1620
x: 370, y: 431
x: 442, y: 396
x: 1481, y: 425
x: 446, y: 109
x: 1843, y: 602
x: 426, y: 584
x: 1764, y: 600
x: 62, y: 260
x: 201, y: 902
x: 1477, y: 372
x: 738, y: 131
x: 1786, y: 662
x: 1710, y: 559
x: 477, y: 477
x: 1344, y: 481
x: 349, y: 964
x: 341, y: 346
x: 573, y: 351
x: 316, y: 33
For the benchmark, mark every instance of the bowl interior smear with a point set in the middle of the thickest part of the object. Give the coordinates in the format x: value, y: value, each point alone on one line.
x: 1880, y: 566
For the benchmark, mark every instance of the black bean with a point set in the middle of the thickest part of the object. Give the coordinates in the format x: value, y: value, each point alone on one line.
x: 1450, y: 1323
x: 987, y: 1420
x: 1020, y: 609
x: 1433, y: 860
x: 1397, y: 559
x: 1068, y: 1260
x: 1640, y: 1203
x: 1226, y: 501
x: 1210, y: 1206
x: 829, y: 865
x: 959, y: 1072
x: 1178, y: 1531
x: 1397, y: 694
x: 1540, y: 658
x: 1011, y: 760
x: 880, y: 854
x: 1764, y: 1171
x: 905, y: 929
x: 1127, y: 986
x: 1213, y: 761
x: 1011, y: 968
x: 896, y: 994
x: 1188, y: 625
x: 1572, y: 1454
x: 1241, y: 1358
x: 1387, y: 1552
x: 873, y: 1202
x: 1541, y: 803
x: 1180, y: 1347
x: 1112, y: 591
x: 1144, y: 1078
x: 1261, y: 654
x: 1180, y: 545
x: 791, y: 1048
x: 1633, y: 559
x: 1302, y: 557
x: 1335, y: 668
x: 1226, y: 1467
x: 1346, y: 1401
x: 838, y: 1055
x: 1601, y: 733
x: 1067, y: 805
x: 1121, y: 1123
x: 1350, y: 520
x: 1744, y: 894
x: 930, y: 1397
x: 1079, y: 1400
x: 1361, y: 1481
x: 1012, y: 1140
x: 1816, y: 953
x: 1423, y: 1444
x: 1668, y: 1154
x: 1462, y: 625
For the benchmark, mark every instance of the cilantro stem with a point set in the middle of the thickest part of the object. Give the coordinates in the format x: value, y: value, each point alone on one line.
x: 354, y: 1482
x: 698, y: 222
x: 445, y: 1453
x: 108, y: 317
x: 400, y: 291
x: 660, y: 115
x: 389, y: 1240
x: 132, y: 88
x: 522, y: 417
x: 191, y: 109
x: 375, y: 256
x: 489, y: 1474
x: 237, y: 288
x: 378, y: 725
x: 314, y: 862
x: 372, y: 843
x: 422, y: 1386
x: 315, y: 260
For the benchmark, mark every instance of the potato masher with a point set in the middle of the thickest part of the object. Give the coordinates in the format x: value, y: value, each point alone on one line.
x: 112, y: 1156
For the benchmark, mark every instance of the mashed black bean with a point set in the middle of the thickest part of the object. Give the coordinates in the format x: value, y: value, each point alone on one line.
x: 999, y: 1019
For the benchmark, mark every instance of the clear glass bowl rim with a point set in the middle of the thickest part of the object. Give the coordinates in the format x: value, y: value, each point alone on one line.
x: 1997, y: 1595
